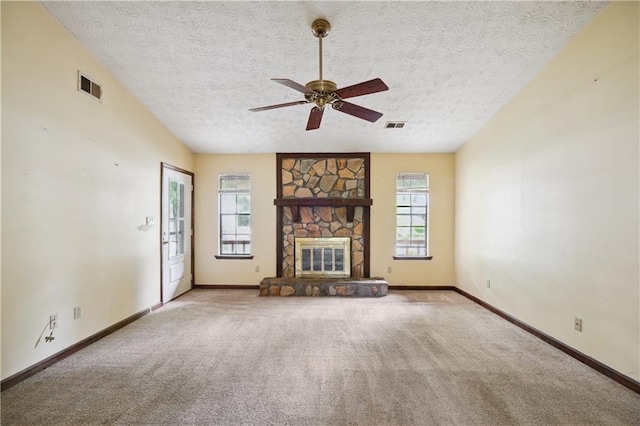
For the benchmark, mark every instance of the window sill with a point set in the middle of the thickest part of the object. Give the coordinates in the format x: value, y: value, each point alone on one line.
x: 234, y: 257
x: 412, y: 257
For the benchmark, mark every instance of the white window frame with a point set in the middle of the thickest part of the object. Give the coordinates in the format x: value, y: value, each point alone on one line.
x: 412, y: 209
x: 238, y: 250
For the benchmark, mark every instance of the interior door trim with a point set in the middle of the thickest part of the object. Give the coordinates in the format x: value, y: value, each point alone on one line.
x: 167, y: 166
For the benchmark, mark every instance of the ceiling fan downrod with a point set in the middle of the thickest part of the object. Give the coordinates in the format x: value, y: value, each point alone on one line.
x: 320, y: 29
x: 324, y: 88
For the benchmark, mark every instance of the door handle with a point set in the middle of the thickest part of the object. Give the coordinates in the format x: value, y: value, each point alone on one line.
x: 165, y: 242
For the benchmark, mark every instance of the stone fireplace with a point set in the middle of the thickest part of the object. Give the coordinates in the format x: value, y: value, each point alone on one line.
x: 323, y: 196
x: 323, y: 209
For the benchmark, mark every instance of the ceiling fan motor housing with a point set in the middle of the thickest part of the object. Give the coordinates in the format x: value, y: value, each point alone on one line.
x: 324, y: 92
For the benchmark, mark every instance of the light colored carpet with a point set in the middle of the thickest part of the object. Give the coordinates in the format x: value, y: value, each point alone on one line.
x: 229, y: 357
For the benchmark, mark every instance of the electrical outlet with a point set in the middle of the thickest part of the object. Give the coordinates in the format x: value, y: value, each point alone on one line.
x: 577, y: 324
x: 77, y: 313
x: 488, y: 283
x: 257, y: 268
x: 389, y: 269
x: 53, y: 321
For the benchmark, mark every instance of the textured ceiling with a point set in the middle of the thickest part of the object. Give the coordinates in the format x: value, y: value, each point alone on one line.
x: 199, y: 66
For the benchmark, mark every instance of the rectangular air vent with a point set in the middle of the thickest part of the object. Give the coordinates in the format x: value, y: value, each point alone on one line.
x: 395, y: 124
x: 89, y: 86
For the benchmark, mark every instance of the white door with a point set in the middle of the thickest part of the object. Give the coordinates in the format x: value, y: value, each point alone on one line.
x: 177, y: 190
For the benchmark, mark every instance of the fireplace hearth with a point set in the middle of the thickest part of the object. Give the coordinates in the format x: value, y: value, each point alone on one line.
x: 317, y: 287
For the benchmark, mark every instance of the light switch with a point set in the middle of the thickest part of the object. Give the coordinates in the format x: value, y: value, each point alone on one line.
x: 151, y: 221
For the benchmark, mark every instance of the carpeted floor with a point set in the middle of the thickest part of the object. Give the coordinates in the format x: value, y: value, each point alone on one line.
x: 229, y: 357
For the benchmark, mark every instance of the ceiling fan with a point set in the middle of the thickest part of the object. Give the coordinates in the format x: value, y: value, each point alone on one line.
x: 324, y: 92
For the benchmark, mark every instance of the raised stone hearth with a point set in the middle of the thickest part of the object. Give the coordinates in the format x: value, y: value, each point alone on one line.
x: 365, y: 287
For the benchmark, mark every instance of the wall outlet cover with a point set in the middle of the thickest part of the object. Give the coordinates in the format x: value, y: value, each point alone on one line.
x: 577, y: 324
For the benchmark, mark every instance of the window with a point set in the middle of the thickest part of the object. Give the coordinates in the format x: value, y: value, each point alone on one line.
x: 234, y: 206
x: 412, y: 209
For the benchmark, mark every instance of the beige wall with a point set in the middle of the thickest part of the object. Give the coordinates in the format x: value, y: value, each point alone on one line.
x: 547, y: 197
x: 210, y: 270
x: 439, y: 270
x: 384, y: 167
x: 78, y: 179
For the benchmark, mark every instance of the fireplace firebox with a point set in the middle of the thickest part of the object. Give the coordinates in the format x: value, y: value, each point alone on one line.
x: 323, y: 257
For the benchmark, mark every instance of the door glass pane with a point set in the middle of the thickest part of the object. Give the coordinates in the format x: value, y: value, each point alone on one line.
x: 181, y: 200
x: 176, y: 218
x: 173, y: 238
x: 173, y: 199
x: 317, y: 259
x: 328, y: 259
x: 306, y: 259
x: 338, y: 264
x: 181, y: 237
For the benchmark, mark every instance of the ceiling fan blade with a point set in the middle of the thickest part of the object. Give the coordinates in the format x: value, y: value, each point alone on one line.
x: 292, y: 84
x: 265, y: 108
x: 315, y: 117
x: 364, y: 88
x: 357, y: 111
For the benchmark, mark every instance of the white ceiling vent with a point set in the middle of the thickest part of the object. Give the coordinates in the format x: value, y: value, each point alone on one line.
x: 395, y: 124
x: 87, y: 85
